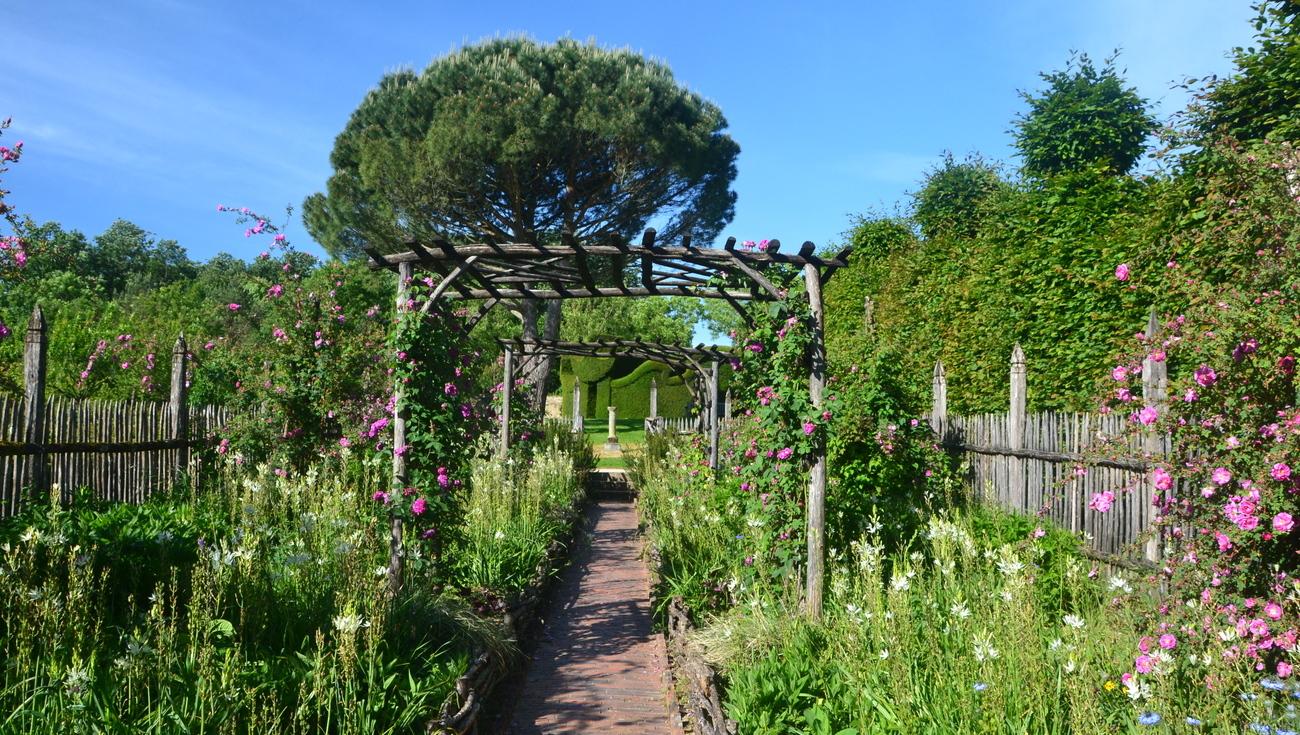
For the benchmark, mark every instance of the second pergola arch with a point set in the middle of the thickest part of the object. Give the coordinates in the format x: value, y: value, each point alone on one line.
x: 703, y: 362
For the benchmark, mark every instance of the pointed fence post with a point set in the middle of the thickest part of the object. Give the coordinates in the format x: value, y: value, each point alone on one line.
x: 713, y: 416
x: 1155, y: 392
x: 817, y: 473
x: 654, y: 399
x: 726, y: 406
x: 405, y: 273
x: 507, y: 388
x: 179, y: 404
x: 35, y: 350
x: 939, y: 400
x: 577, y: 406
x: 869, y: 314
x: 1017, y: 495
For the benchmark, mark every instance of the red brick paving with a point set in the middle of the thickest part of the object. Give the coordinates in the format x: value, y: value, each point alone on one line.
x: 600, y: 667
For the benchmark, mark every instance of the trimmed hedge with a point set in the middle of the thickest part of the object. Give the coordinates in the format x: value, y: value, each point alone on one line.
x: 628, y: 390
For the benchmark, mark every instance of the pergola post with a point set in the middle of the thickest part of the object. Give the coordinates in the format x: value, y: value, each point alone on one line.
x: 713, y: 416
x: 405, y: 273
x: 507, y: 387
x: 817, y: 473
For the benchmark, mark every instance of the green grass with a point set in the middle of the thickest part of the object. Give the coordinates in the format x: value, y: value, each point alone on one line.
x: 631, y: 433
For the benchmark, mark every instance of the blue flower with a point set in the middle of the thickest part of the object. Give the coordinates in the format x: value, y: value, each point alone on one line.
x: 1280, y: 731
x: 1272, y: 683
x: 1262, y: 729
x: 1193, y: 722
x: 1149, y: 718
x: 980, y: 686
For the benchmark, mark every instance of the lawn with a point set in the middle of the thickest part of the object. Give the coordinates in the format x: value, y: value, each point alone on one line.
x: 631, y: 433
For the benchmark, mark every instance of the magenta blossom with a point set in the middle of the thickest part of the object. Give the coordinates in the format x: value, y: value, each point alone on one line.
x: 233, y: 307
x: 1101, y: 502
x: 1163, y: 480
x: 1205, y: 376
x: 808, y: 428
x: 1281, y: 472
x: 1221, y: 476
x: 1121, y: 272
x: 1168, y: 642
x: 785, y: 453
x: 1283, y: 523
x: 1147, y: 416
x: 1119, y: 373
x: 417, y: 508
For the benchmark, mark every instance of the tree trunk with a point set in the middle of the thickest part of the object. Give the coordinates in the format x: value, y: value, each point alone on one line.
x: 543, y: 368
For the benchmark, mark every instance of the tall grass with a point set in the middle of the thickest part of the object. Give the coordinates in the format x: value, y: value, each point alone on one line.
x: 259, y: 607
x: 513, y: 514
x: 979, y: 622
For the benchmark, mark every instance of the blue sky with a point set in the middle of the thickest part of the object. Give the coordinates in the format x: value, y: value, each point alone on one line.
x: 157, y: 110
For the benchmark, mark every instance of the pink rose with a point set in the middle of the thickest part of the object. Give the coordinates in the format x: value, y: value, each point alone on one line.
x: 1283, y: 523
x: 1281, y: 472
x: 1148, y: 415
x: 1101, y: 502
x: 1168, y: 642
x: 1205, y: 376
x: 1221, y: 476
x: 1163, y: 480
x: 1121, y: 272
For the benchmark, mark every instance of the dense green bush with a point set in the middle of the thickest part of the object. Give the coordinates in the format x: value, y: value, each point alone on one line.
x: 629, y: 392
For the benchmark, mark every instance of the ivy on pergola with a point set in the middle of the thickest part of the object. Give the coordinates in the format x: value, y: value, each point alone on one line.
x: 497, y: 272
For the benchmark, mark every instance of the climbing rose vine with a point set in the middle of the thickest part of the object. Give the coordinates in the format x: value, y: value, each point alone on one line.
x: 1229, y: 494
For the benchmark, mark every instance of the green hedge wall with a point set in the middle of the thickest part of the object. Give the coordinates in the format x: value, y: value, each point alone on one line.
x: 629, y: 391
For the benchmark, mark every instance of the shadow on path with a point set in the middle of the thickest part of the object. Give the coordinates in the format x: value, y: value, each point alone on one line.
x: 599, y: 667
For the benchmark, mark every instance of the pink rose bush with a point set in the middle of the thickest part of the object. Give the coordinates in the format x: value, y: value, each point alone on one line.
x: 1226, y: 498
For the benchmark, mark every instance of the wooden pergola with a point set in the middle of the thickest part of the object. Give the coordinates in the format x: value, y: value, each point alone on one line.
x: 704, y: 361
x: 498, y: 272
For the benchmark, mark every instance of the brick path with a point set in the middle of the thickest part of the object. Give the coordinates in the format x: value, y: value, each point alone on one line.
x: 600, y: 668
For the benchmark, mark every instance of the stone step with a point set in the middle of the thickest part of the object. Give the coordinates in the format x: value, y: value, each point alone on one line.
x: 609, y: 485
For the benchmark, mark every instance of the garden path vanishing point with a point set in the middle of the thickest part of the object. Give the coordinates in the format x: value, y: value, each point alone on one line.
x: 599, y: 666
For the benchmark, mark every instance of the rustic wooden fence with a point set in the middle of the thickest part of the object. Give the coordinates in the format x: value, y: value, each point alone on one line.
x: 1051, y: 463
x: 120, y: 450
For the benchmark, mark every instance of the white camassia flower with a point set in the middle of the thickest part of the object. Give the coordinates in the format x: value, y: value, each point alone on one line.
x: 1074, y: 621
x: 348, y: 624
x: 984, y: 650
x: 960, y: 610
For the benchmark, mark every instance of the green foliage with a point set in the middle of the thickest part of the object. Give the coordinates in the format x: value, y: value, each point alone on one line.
x: 251, y: 608
x: 951, y: 201
x: 1042, y: 276
x: 668, y: 319
x: 512, y: 139
x: 587, y: 369
x: 512, y: 515
x: 630, y: 394
x: 1086, y: 120
x: 1261, y: 99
